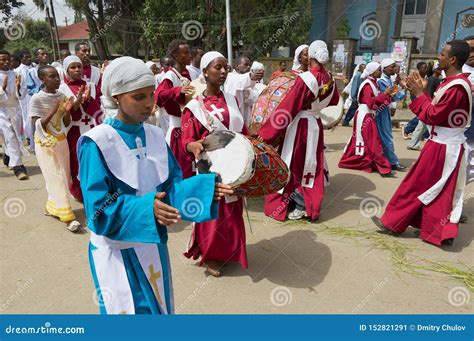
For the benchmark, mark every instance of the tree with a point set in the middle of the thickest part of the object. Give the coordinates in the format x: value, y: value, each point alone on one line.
x: 34, y: 36
x: 7, y: 6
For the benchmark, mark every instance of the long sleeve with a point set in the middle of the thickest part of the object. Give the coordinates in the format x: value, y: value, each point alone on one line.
x: 193, y: 197
x: 355, y: 86
x: 31, y: 86
x: 3, y: 96
x: 110, y: 211
x: 192, y: 129
x: 453, y: 101
x: 298, y: 98
x: 237, y: 82
x: 366, y: 96
x: 169, y: 97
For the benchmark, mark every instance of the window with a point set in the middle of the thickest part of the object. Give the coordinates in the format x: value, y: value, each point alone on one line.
x: 415, y: 7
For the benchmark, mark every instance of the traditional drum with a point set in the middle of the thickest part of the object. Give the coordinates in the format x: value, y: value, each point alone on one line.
x: 250, y: 167
x: 331, y: 116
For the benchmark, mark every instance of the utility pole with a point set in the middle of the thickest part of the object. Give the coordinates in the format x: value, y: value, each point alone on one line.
x: 51, y: 30
x: 229, y: 31
x: 55, y: 27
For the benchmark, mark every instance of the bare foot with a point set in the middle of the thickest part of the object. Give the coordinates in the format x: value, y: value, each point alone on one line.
x: 213, y: 268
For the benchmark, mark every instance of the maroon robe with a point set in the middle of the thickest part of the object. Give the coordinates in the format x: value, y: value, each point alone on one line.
x: 222, y: 239
x: 373, y: 158
x: 94, y: 110
x: 171, y: 99
x: 297, y: 99
x: 405, y: 209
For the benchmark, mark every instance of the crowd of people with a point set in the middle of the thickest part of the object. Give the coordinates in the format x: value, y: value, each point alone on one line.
x: 123, y: 140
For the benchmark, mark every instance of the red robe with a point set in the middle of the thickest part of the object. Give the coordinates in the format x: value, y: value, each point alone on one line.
x: 373, y: 158
x: 222, y: 239
x: 297, y: 99
x: 171, y: 99
x: 405, y: 209
x: 92, y: 108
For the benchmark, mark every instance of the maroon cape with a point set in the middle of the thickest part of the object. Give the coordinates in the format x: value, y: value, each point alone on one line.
x: 297, y: 99
x: 373, y: 158
x: 405, y: 209
x: 222, y: 239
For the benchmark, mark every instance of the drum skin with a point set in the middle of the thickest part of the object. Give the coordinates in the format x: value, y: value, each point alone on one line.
x: 271, y: 173
x: 263, y: 172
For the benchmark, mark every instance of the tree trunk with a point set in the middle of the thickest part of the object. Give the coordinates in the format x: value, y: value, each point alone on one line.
x: 95, y: 35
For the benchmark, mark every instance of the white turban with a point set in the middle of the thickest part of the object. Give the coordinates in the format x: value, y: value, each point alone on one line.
x: 123, y: 75
x: 69, y: 60
x: 208, y: 57
x: 296, y: 62
x: 386, y: 62
x: 370, y: 69
x: 256, y: 66
x: 149, y: 64
x: 318, y: 50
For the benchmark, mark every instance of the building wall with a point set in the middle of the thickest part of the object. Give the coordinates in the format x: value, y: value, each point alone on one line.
x: 319, y: 12
x: 451, y: 8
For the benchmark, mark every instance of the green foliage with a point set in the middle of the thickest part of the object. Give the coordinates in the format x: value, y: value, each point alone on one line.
x: 343, y: 29
x: 7, y: 6
x: 257, y: 25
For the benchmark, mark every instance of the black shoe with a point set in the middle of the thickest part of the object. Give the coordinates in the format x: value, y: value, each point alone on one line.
x: 378, y: 223
x: 448, y: 242
x: 6, y: 159
x: 20, y: 172
x: 388, y: 175
x: 344, y: 124
x: 400, y: 168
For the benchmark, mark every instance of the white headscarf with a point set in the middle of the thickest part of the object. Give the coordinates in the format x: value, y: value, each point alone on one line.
x: 69, y: 60
x: 149, y: 64
x: 318, y: 50
x: 296, y: 62
x: 386, y: 62
x: 208, y: 57
x: 123, y: 75
x: 370, y: 69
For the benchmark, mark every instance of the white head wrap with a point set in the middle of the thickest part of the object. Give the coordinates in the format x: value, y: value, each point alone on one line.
x: 208, y: 57
x: 256, y: 66
x: 69, y: 60
x: 149, y: 64
x: 318, y: 50
x: 370, y: 69
x: 123, y: 75
x: 296, y: 62
x: 386, y: 62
